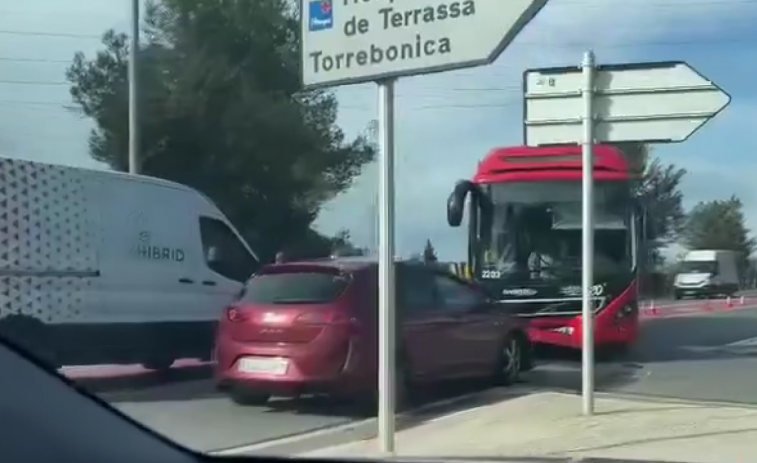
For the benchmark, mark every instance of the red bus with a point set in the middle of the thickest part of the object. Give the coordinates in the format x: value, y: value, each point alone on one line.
x: 524, y: 221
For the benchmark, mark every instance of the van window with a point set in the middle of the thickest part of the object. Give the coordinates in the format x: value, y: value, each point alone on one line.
x: 224, y: 252
x: 297, y: 287
x: 699, y: 266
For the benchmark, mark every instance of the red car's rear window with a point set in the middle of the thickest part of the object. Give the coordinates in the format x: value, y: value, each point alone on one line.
x: 296, y: 287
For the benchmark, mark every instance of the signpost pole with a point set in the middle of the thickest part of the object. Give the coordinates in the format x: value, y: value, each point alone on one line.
x: 134, y: 90
x: 587, y: 201
x: 387, y: 360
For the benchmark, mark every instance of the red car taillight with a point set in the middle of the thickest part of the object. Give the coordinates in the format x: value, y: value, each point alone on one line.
x: 235, y: 315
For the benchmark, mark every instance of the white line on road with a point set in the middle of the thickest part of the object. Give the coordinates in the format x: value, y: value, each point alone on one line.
x: 749, y: 342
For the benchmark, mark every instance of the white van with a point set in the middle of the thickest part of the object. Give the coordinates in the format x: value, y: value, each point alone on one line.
x: 707, y: 272
x: 104, y: 267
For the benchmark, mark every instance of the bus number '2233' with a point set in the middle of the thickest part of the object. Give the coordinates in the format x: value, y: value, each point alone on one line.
x: 490, y: 274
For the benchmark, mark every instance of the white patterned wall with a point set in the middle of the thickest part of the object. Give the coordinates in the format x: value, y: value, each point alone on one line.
x: 46, y: 231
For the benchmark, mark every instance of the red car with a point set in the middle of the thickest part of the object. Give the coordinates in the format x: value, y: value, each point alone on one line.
x: 312, y: 327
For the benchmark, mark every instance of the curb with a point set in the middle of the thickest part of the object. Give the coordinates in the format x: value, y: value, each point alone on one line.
x: 339, y: 434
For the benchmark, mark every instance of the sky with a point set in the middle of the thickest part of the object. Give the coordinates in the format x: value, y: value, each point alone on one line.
x: 445, y: 123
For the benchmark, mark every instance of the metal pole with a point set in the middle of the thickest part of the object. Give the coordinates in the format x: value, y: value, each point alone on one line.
x: 133, y: 91
x: 587, y: 200
x: 373, y: 208
x: 386, y: 373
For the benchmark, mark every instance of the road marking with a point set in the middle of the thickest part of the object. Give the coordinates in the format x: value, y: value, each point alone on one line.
x: 749, y: 342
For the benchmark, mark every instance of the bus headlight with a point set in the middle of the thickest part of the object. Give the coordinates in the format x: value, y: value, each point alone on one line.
x: 625, y: 312
x: 566, y: 330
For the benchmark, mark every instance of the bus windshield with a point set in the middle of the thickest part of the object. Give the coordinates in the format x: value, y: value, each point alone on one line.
x: 536, y: 230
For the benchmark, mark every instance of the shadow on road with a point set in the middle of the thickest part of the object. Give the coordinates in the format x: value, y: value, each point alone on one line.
x: 321, y: 405
x: 144, y: 380
x: 678, y: 357
x: 696, y: 338
x: 434, y: 405
x: 459, y: 391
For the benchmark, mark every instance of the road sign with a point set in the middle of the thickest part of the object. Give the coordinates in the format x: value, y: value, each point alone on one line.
x: 350, y: 41
x: 641, y: 102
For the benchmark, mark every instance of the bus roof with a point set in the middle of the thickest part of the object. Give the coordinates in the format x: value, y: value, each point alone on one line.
x: 550, y: 163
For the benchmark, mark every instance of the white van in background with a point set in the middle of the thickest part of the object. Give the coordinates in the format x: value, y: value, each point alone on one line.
x: 707, y: 272
x: 104, y: 267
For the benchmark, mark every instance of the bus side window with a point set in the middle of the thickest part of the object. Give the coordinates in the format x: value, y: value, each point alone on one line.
x: 223, y: 252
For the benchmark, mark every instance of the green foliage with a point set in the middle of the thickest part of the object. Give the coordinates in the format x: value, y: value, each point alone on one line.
x: 222, y: 111
x: 658, y: 190
x: 429, y: 253
x: 661, y: 198
x: 719, y: 224
x: 659, y: 193
x: 342, y: 245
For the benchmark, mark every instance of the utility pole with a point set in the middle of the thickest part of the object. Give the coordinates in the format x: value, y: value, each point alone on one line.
x: 133, y: 90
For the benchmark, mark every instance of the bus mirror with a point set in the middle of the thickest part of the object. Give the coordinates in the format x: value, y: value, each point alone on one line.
x: 456, y: 203
x: 487, y: 219
x: 645, y: 226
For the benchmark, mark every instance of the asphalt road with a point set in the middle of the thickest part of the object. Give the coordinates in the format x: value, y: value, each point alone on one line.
x: 684, y: 352
x: 195, y: 415
x: 704, y: 356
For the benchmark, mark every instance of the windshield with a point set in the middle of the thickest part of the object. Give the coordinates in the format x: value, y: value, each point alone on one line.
x: 174, y: 173
x: 536, y: 230
x: 296, y: 287
x: 691, y: 266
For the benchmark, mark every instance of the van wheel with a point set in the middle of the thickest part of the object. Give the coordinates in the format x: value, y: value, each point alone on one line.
x: 508, y: 366
x: 246, y: 397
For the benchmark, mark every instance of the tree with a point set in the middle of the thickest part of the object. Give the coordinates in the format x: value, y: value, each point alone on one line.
x: 659, y: 193
x: 342, y: 245
x: 222, y: 111
x: 720, y: 224
x: 658, y: 190
x: 429, y: 253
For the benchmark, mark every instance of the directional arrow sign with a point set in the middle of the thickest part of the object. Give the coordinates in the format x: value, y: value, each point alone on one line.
x: 640, y: 102
x: 350, y: 41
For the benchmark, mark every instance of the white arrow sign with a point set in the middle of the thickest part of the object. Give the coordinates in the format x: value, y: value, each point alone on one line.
x: 350, y: 41
x: 641, y: 102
